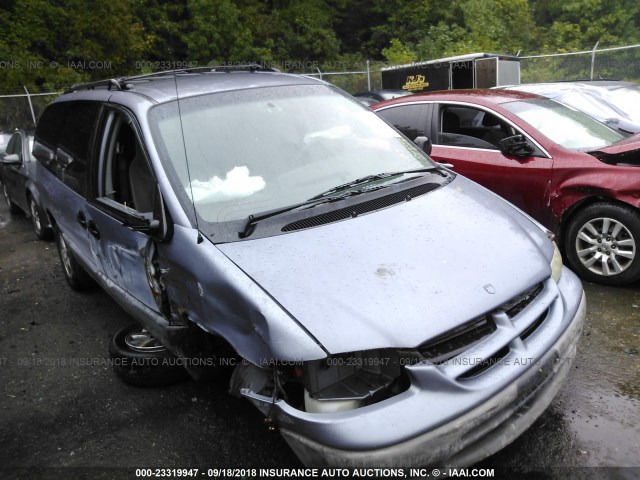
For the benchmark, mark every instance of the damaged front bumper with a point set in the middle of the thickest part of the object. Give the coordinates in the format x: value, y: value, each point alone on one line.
x: 447, y: 417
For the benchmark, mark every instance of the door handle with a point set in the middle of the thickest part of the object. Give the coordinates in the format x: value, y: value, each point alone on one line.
x: 93, y: 229
x: 82, y: 220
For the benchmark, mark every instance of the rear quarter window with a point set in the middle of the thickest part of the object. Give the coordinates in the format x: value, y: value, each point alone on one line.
x: 409, y: 119
x: 68, y: 128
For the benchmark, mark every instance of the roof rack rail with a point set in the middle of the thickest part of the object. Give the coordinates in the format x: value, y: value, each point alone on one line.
x: 251, y: 67
x: 111, y: 84
x: 121, y: 83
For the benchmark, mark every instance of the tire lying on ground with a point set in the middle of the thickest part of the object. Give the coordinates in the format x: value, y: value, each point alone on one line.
x: 139, y: 359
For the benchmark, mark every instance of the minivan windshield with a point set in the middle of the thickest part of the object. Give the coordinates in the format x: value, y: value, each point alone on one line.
x: 259, y: 149
x: 563, y: 125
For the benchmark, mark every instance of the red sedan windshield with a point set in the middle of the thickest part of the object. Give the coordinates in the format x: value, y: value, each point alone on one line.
x: 564, y: 125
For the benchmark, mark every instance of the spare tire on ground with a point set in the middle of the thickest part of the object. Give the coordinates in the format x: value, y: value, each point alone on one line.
x: 139, y: 359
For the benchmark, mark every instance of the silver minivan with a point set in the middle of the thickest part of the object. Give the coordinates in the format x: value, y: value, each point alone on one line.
x: 379, y: 309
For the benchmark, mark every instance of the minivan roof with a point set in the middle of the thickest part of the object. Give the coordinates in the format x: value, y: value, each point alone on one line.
x: 161, y: 86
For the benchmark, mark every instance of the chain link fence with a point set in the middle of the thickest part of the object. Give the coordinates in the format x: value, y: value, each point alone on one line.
x: 18, y: 110
x: 23, y: 110
x: 619, y: 63
x: 367, y: 78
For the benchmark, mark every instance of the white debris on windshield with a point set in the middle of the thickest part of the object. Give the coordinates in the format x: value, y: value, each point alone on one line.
x: 236, y: 184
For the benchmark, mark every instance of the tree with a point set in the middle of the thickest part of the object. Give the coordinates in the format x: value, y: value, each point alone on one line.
x: 576, y: 24
x: 58, y: 43
x: 304, y: 31
x: 216, y: 33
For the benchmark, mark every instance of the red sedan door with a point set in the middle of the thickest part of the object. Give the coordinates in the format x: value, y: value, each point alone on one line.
x: 468, y: 138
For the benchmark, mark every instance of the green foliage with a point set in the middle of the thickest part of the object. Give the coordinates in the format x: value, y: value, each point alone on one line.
x: 305, y: 32
x: 399, y: 52
x: 52, y: 44
x: 48, y: 44
x: 216, y: 34
x: 578, y: 24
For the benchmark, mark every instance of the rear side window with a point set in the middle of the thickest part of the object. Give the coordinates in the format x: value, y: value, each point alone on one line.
x: 409, y: 119
x: 68, y: 128
x: 15, y: 145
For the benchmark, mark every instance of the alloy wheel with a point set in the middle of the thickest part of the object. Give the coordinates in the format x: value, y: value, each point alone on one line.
x: 605, y: 246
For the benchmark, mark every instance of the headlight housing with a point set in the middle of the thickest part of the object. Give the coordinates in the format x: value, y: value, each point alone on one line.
x: 556, y: 263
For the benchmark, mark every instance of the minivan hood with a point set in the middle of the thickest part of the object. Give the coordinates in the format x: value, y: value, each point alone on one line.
x: 403, y: 275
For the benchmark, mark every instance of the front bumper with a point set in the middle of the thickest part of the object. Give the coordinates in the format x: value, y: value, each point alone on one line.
x: 446, y: 418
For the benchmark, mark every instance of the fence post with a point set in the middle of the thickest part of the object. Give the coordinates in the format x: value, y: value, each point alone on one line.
x: 33, y: 115
x: 368, y: 77
x: 593, y: 57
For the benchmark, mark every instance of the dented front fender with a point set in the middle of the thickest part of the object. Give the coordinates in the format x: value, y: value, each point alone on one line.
x: 205, y: 287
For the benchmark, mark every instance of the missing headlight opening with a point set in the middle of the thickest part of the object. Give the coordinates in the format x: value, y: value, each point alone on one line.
x: 348, y: 381
x: 333, y: 384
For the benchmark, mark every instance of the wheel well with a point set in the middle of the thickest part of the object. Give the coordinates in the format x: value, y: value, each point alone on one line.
x: 29, y: 195
x: 51, y: 218
x: 577, y: 208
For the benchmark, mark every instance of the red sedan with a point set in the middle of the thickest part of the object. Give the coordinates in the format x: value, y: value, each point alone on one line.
x: 573, y: 174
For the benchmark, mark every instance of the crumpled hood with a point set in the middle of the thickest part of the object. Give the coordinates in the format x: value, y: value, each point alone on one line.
x: 624, y: 152
x: 400, y: 276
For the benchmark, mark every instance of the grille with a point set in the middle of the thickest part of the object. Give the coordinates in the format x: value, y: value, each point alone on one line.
x: 515, y: 306
x: 461, y: 339
x: 360, y: 208
x: 457, y: 341
x: 534, y: 326
x: 486, y: 363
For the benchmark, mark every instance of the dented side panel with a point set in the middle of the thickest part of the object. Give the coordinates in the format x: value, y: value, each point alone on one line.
x: 121, y: 252
x: 584, y: 177
x: 203, y: 286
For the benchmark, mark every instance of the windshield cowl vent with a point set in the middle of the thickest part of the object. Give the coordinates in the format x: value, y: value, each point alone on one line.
x: 360, y: 208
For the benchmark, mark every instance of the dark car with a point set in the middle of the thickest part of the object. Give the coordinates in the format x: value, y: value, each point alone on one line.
x: 616, y: 103
x: 17, y: 174
x: 570, y: 172
x: 323, y: 256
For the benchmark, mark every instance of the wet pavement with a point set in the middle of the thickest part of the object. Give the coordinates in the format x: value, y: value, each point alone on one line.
x: 62, y: 406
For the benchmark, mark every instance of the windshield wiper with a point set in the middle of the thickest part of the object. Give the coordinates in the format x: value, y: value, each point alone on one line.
x: 343, y: 192
x: 252, y: 220
x: 370, y: 178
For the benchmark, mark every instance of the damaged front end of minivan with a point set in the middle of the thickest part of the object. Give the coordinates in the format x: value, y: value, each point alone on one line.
x: 481, y: 388
x: 382, y: 380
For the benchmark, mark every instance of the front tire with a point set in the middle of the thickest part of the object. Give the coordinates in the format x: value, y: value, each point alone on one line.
x: 602, y: 244
x: 75, y: 275
x: 13, y: 208
x: 41, y: 230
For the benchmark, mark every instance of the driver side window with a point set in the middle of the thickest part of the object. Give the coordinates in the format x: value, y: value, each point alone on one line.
x: 126, y: 175
x: 471, y: 127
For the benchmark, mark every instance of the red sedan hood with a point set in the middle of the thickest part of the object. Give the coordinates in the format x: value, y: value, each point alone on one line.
x: 625, y: 152
x: 623, y: 146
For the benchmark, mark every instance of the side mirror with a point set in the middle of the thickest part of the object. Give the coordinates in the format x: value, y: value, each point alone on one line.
x: 11, y: 159
x: 64, y: 159
x: 516, y: 146
x: 156, y: 224
x: 42, y: 153
x: 424, y: 143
